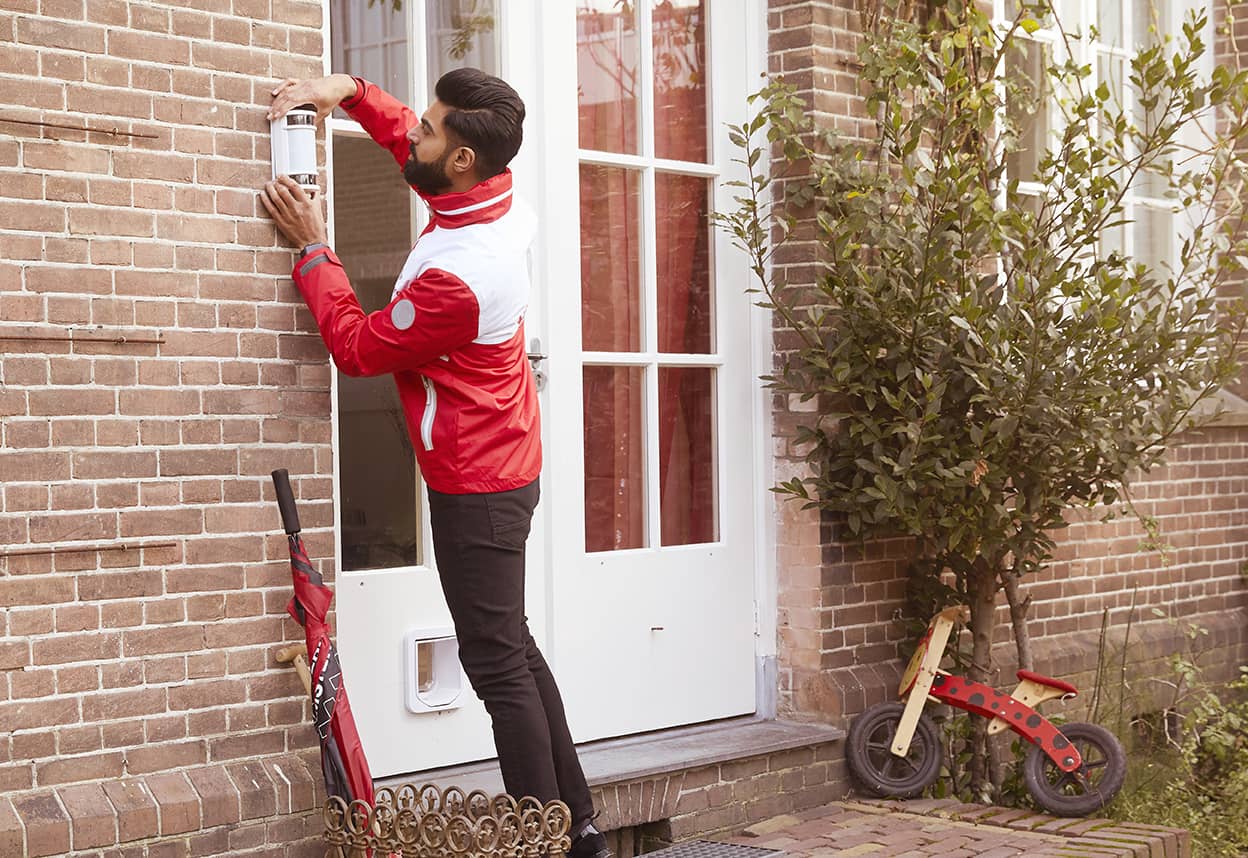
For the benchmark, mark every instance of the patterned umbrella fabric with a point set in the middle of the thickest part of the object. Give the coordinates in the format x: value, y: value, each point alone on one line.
x: 342, y: 755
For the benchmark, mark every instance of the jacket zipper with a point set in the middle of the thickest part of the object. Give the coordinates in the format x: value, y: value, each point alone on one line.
x: 426, y: 420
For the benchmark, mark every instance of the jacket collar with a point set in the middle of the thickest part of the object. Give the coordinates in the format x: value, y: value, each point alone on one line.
x: 484, y: 202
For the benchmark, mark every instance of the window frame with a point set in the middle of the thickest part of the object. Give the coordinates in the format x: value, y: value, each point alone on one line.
x: 1090, y: 50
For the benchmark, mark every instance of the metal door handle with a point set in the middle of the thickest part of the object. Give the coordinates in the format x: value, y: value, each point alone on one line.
x: 536, y: 357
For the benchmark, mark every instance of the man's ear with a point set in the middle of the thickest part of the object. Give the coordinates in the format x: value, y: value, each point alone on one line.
x: 464, y: 160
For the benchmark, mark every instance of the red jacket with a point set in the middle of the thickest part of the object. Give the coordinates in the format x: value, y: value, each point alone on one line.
x: 453, y: 333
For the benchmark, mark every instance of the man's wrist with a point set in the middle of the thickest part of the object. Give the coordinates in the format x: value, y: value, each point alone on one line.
x: 352, y: 89
x: 312, y: 248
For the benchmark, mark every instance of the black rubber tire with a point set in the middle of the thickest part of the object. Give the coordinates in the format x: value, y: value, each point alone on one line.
x: 1089, y: 789
x: 877, y: 768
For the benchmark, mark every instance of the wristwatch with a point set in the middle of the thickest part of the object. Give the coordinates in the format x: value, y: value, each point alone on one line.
x: 308, y: 248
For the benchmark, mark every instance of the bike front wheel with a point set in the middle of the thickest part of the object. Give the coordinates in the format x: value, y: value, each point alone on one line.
x: 874, y: 765
x: 1089, y: 788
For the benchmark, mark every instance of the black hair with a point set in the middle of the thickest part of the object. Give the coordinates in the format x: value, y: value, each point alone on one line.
x: 485, y: 115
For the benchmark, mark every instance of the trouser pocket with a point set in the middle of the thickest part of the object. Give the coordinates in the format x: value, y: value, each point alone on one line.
x: 511, y: 515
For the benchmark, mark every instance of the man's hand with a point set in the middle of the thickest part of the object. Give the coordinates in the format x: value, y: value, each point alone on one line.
x: 325, y: 92
x: 295, y: 213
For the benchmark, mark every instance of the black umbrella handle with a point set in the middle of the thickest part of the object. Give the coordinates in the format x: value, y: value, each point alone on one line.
x: 286, y: 500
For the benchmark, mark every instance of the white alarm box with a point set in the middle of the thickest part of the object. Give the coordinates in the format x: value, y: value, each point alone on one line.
x: 293, y: 146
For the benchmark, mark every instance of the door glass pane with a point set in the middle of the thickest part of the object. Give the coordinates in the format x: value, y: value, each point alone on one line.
x: 681, y: 206
x: 1109, y: 22
x: 1028, y: 109
x: 608, y: 63
x: 1111, y: 71
x: 1150, y: 181
x: 459, y: 34
x: 377, y: 466
x: 687, y: 478
x: 1038, y: 11
x: 370, y: 41
x: 679, y: 28
x: 610, y: 259
x: 1150, y: 20
x: 1153, y: 232
x: 615, y: 492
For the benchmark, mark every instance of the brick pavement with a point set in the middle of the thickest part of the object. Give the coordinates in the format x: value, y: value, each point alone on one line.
x: 950, y: 829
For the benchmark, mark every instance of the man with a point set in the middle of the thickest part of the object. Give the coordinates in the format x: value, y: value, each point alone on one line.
x: 453, y: 337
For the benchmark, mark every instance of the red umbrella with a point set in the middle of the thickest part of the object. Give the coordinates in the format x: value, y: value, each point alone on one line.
x: 342, y: 755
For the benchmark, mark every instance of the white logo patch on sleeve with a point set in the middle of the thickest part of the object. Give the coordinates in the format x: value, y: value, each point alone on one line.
x: 403, y: 314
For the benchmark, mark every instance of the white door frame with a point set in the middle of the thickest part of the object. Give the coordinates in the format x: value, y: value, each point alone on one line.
x: 531, y: 30
x: 559, y: 269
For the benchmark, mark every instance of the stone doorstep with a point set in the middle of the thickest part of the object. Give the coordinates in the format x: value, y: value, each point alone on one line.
x: 611, y: 762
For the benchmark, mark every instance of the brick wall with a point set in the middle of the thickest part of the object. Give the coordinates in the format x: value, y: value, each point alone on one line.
x: 157, y: 365
x: 837, y: 599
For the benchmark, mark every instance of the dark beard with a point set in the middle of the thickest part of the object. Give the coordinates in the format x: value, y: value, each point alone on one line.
x: 430, y: 179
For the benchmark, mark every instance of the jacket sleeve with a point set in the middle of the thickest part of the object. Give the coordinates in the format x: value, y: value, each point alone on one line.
x: 432, y: 316
x: 385, y: 118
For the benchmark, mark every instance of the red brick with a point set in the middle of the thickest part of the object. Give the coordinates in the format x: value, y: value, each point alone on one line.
x: 108, y: 71
x: 44, y: 467
x: 130, y: 703
x: 135, y: 809
x: 60, y: 34
x: 25, y: 715
x: 35, y: 591
x: 80, y: 740
x: 69, y: 279
x: 46, y: 823
x: 69, y: 157
x: 149, y: 47
x: 148, y: 165
x: 119, y: 585
x: 301, y: 13
x: 65, y: 649
x: 36, y: 217
x: 75, y: 526
x: 92, y: 767
x: 177, y: 801
x: 161, y: 522
x: 99, y: 221
x: 257, y: 795
x: 12, y: 835
x: 165, y: 756
x: 106, y: 464
x: 162, y: 402
x: 130, y: 103
x: 77, y: 618
x: 236, y: 60
x: 191, y: 462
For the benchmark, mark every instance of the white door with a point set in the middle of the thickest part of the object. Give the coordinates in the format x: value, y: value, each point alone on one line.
x: 649, y: 478
x: 387, y: 587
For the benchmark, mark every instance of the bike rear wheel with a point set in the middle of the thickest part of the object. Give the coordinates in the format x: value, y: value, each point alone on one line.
x: 1086, y: 790
x: 874, y: 765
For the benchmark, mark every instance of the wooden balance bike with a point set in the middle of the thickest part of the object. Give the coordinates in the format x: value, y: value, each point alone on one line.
x: 894, y: 749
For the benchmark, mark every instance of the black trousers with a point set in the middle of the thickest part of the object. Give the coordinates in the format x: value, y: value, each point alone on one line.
x: 479, y: 543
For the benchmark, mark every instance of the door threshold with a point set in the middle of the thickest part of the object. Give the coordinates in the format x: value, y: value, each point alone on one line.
x: 644, y: 755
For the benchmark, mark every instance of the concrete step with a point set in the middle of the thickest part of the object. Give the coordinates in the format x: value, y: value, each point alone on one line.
x: 650, y: 755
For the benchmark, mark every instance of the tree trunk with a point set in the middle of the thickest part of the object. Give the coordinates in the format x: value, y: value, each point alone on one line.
x: 982, y: 588
x: 1018, y: 618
